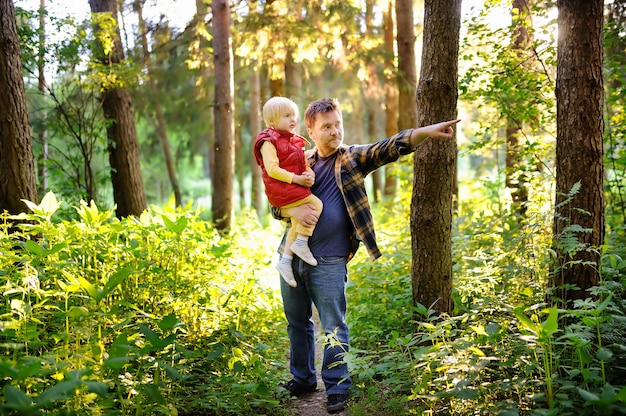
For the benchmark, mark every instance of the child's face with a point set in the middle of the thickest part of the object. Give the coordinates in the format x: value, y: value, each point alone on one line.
x: 287, y: 122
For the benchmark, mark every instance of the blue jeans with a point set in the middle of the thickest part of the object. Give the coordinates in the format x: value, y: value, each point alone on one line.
x: 324, y: 286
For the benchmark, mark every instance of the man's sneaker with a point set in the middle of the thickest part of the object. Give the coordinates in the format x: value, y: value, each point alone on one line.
x: 303, y: 251
x: 286, y: 272
x: 297, y: 389
x: 336, y: 402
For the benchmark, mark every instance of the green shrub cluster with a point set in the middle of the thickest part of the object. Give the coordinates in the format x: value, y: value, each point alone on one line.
x: 152, y: 315
x: 507, y: 350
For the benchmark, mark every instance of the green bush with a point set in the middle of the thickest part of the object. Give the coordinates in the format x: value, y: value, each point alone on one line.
x: 149, y: 315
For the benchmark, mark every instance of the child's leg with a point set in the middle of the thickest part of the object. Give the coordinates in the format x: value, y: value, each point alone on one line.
x: 284, y: 264
x: 300, y: 246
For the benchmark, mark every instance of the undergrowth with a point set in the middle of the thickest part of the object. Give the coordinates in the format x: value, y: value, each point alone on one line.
x: 505, y: 351
x: 163, y: 315
x: 152, y: 315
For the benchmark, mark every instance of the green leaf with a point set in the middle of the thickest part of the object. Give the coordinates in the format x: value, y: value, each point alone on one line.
x: 48, y: 206
x: 604, y: 354
x: 587, y: 396
x: 89, y: 288
x: 150, y: 335
x: 168, y: 322
x: 59, y: 391
x: 115, y: 280
x: 28, y: 369
x: 33, y: 247
x: 525, y: 321
x: 176, y: 227
x: 97, y: 387
x: 17, y: 399
x: 551, y: 324
x: 77, y: 312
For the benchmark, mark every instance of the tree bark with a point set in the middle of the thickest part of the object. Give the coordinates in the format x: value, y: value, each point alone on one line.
x: 258, y: 196
x: 372, y: 92
x: 17, y: 165
x: 391, y: 94
x: 579, y: 147
x: 42, y: 160
x: 160, y: 119
x: 407, y: 72
x: 435, y: 161
x: 222, y: 204
x: 515, y: 178
x: 117, y: 106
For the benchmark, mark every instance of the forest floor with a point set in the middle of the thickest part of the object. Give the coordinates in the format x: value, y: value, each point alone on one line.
x: 314, y: 404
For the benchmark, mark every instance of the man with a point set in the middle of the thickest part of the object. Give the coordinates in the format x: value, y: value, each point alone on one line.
x: 345, y: 221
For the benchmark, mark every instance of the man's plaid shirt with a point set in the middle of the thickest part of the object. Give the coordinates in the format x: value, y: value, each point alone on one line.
x: 353, y: 164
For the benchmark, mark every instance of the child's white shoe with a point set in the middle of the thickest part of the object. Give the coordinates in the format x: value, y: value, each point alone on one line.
x: 286, y: 272
x: 303, y: 251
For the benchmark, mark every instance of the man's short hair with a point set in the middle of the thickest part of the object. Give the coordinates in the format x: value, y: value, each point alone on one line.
x: 323, y: 105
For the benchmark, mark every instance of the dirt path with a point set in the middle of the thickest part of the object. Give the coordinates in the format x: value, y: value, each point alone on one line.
x: 314, y: 404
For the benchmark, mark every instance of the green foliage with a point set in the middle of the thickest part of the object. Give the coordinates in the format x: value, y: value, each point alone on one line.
x: 505, y: 351
x: 157, y: 314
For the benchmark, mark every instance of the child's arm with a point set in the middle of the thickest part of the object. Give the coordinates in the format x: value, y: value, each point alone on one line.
x: 270, y: 161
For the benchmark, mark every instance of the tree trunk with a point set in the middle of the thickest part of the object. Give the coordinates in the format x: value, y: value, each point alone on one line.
x: 224, y: 172
x: 579, y: 147
x: 42, y: 160
x: 17, y: 165
x: 258, y: 196
x: 435, y: 161
x: 515, y: 178
x: 391, y: 94
x: 407, y: 73
x: 160, y: 119
x: 117, y: 105
x: 372, y: 93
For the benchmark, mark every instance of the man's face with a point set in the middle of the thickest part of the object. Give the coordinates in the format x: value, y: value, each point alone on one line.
x: 327, y: 132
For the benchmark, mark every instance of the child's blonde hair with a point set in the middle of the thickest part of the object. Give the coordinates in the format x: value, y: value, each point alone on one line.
x: 276, y: 107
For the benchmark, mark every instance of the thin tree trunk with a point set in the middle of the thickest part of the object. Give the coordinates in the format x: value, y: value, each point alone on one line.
x: 222, y: 205
x: 407, y: 72
x: 117, y: 105
x: 161, y: 128
x: 435, y: 161
x: 255, y: 127
x: 17, y: 165
x: 391, y: 94
x: 42, y: 160
x: 515, y: 178
x: 372, y: 93
x: 579, y: 145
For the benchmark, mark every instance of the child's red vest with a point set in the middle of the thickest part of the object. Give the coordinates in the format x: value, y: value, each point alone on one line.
x: 290, y: 152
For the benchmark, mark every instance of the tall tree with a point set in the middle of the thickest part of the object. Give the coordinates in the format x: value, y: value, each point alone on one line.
x: 391, y: 91
x: 158, y: 110
x: 372, y: 93
x: 521, y: 49
x: 407, y: 72
x: 579, y: 147
x: 258, y: 197
x: 117, y: 106
x: 435, y: 161
x: 224, y: 172
x: 42, y: 160
x: 17, y: 165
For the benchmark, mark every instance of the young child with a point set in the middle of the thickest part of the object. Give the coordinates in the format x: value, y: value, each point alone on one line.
x: 279, y: 151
